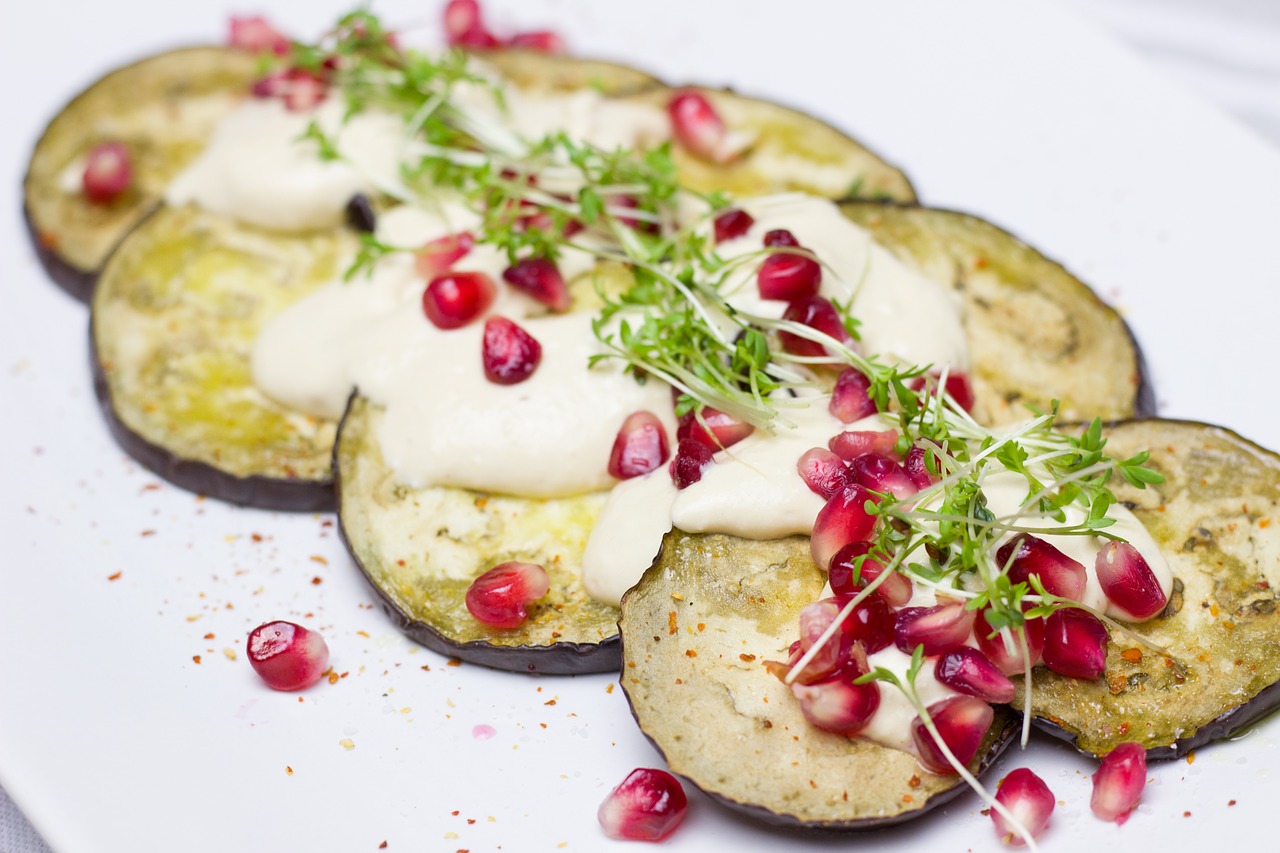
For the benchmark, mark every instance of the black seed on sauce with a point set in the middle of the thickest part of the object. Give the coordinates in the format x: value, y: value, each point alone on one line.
x: 360, y: 215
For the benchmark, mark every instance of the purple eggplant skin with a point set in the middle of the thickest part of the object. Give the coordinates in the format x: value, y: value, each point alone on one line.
x: 75, y: 282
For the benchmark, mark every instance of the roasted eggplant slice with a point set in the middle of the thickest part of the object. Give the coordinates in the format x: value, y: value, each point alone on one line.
x: 1035, y: 332
x: 534, y: 71
x: 695, y: 633
x: 174, y: 320
x: 421, y: 549
x: 1215, y: 519
x: 162, y: 108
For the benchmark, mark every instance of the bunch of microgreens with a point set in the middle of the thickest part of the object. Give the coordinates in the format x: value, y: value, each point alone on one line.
x: 674, y: 323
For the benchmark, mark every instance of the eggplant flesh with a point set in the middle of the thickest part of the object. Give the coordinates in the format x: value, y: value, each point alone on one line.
x: 696, y: 631
x: 1215, y: 518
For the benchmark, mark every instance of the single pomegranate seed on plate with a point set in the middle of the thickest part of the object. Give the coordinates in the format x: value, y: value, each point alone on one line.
x: 542, y: 41
x: 732, y: 223
x: 854, y: 443
x: 939, y: 629
x: 967, y: 670
x: 1032, y: 555
x: 454, y: 300
x: 842, y: 520
x: 958, y: 386
x: 256, y: 35
x: 641, y: 446
x: 1075, y: 644
x: 498, y: 597
x: 788, y: 276
x: 1010, y: 662
x: 439, y: 255
x: 1030, y: 801
x: 838, y: 705
x: 818, y: 314
x: 895, y: 589
x: 917, y: 467
x: 510, y: 353
x: 881, y: 474
x: 1128, y: 581
x: 1118, y: 782
x: 824, y: 473
x: 464, y: 27
x: 647, y: 806
x: 108, y: 171
x: 780, y: 237
x: 699, y: 129
x: 287, y: 656
x: 541, y: 279
x: 714, y: 428
x: 962, y: 722
x: 850, y: 398
x: 692, y: 457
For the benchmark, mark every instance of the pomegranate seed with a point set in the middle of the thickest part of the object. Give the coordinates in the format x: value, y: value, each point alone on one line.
x: 630, y: 202
x: 716, y: 429
x: 939, y: 629
x: 108, y: 171
x: 895, y: 589
x: 789, y: 276
x: 698, y: 127
x: 456, y: 299
x: 850, y: 445
x: 647, y: 806
x: 917, y: 468
x: 818, y: 314
x: 256, y: 35
x: 641, y: 446
x: 510, y: 353
x: 1010, y: 663
x: 815, y: 618
x: 1118, y: 783
x: 780, y: 237
x: 850, y: 399
x: 1032, y: 555
x: 543, y: 41
x: 463, y: 26
x: 958, y: 386
x: 540, y: 278
x: 881, y: 474
x: 967, y: 670
x: 498, y: 597
x: 837, y: 704
x: 824, y: 473
x: 842, y: 520
x: 732, y: 223
x: 870, y: 624
x: 287, y: 656
x: 1075, y: 644
x: 302, y: 90
x: 962, y: 722
x: 439, y: 255
x: 1030, y: 801
x: 1128, y: 581
x: 692, y: 457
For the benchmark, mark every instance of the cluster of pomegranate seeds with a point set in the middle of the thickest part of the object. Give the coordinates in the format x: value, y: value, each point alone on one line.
x: 499, y: 596
x: 700, y: 130
x: 788, y: 275
x: 287, y: 656
x: 455, y: 299
x: 464, y: 26
x: 1118, y: 782
x: 439, y: 255
x: 731, y: 224
x: 108, y: 171
x: 962, y: 723
x: 647, y: 806
x: 1128, y: 581
x: 851, y: 397
x: 299, y: 88
x: 256, y: 35
x: 640, y: 447
x: 1029, y: 800
x: 541, y: 279
x: 510, y: 354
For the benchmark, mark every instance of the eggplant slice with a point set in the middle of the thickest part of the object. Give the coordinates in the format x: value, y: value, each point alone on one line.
x: 1217, y: 520
x: 163, y: 109
x: 174, y: 319
x: 534, y: 71
x: 696, y: 631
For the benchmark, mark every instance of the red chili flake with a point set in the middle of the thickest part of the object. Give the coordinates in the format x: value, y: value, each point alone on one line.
x: 746, y: 658
x: 256, y: 537
x: 1132, y: 655
x: 1231, y: 802
x: 426, y: 668
x: 454, y: 812
x: 288, y: 771
x: 609, y: 688
x: 316, y: 558
x: 1186, y: 814
x: 914, y: 781
x: 549, y: 702
x: 364, y: 634
x: 146, y: 533
x: 454, y: 662
x: 196, y: 658
x: 209, y: 636
x: 671, y: 623
x: 317, y: 580
x: 1191, y: 757
x: 690, y: 653
x: 114, y: 577
x: 327, y: 523
x: 382, y: 846
x: 471, y: 820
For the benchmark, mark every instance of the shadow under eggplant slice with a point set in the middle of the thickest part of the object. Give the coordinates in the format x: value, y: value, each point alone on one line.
x: 1217, y: 520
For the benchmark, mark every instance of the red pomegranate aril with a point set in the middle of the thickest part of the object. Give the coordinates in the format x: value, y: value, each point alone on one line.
x: 1032, y: 555
x: 1010, y: 662
x: 1118, y: 782
x: 881, y: 474
x: 699, y: 128
x: 108, y: 171
x: 498, y: 598
x: 780, y: 237
x: 1029, y: 800
x: 287, y: 656
x: 939, y: 629
x: 789, y: 276
x: 967, y: 670
x: 842, y: 520
x: 464, y: 27
x: 647, y: 806
x: 818, y: 314
x: 714, y: 428
x: 541, y: 279
x: 962, y: 722
x: 854, y: 443
x: 895, y: 589
x: 629, y: 202
x: 824, y: 473
x: 454, y: 300
x: 510, y: 354
x: 837, y: 704
x: 957, y: 385
x: 1075, y: 644
x: 256, y: 35
x: 542, y: 41
x: 871, y: 624
x: 917, y: 467
x: 850, y: 398
x: 302, y: 90
x: 439, y: 255
x: 641, y: 446
x: 1128, y: 581
x: 815, y: 619
x: 692, y: 457
x: 732, y: 223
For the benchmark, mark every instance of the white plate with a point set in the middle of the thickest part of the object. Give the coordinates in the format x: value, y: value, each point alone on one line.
x: 114, y: 738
